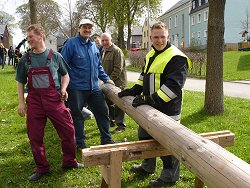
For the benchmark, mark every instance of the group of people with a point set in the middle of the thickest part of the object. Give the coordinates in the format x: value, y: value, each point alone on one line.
x: 74, y: 75
x: 4, y: 53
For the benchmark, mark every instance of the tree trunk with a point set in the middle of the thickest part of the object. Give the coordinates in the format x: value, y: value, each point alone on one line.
x: 121, y: 42
x: 33, y: 16
x: 129, y: 36
x: 214, y: 103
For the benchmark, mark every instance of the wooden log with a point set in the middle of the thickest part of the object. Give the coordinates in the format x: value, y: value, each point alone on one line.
x: 100, y: 155
x: 211, y: 163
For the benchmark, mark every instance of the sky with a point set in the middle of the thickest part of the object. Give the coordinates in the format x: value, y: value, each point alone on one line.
x: 9, y: 6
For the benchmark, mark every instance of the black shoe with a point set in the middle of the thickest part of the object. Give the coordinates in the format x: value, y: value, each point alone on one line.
x: 118, y: 129
x: 78, y: 165
x: 138, y: 169
x: 112, y: 124
x: 37, y: 176
x: 161, y: 183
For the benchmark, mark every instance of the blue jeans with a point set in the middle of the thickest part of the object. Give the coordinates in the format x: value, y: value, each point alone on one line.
x: 97, y: 104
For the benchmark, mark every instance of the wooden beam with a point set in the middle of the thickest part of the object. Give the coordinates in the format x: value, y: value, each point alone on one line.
x: 211, y: 163
x: 100, y: 155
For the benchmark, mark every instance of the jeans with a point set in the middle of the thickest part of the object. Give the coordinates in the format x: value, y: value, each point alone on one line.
x: 97, y: 104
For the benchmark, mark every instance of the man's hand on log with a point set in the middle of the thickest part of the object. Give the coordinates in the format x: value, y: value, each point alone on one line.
x: 126, y: 92
x: 139, y: 100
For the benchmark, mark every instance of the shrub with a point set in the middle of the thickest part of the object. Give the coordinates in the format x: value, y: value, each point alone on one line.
x: 199, y: 60
x: 137, y: 58
x: 125, y: 52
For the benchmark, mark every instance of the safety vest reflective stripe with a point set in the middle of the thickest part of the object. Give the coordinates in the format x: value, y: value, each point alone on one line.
x: 168, y: 92
x: 151, y: 84
x: 140, y: 80
x: 163, y: 96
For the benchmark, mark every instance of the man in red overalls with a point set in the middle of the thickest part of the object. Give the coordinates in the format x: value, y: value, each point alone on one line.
x: 47, y: 77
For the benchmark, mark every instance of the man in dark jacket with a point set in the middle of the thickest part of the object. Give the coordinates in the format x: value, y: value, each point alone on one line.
x: 161, y: 84
x: 11, y: 56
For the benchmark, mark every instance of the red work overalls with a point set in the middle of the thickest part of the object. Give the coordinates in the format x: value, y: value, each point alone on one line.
x: 44, y: 101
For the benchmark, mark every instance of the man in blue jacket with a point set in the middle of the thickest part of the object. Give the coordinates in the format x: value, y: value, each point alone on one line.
x: 84, y: 59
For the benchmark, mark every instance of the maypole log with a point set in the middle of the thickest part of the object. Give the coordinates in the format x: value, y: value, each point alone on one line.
x: 211, y: 163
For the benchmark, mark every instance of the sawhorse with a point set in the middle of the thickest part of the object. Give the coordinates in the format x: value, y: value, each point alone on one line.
x: 110, y: 157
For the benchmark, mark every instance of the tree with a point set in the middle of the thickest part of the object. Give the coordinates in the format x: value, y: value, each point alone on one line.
x: 47, y: 15
x: 96, y: 11
x: 70, y: 19
x: 7, y: 19
x: 214, y: 102
x: 33, y: 15
x: 135, y: 8
x: 246, y: 23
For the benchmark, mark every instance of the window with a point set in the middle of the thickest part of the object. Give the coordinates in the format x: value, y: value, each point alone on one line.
x: 170, y: 23
x: 199, y: 18
x: 198, y: 34
x: 199, y: 2
x: 206, y: 15
x: 192, y: 20
x: 205, y: 33
x: 193, y: 34
x: 182, y: 25
x: 176, y: 21
x: 193, y: 5
x: 144, y: 34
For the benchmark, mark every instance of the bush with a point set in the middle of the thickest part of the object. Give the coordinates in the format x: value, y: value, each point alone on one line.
x: 199, y: 60
x: 125, y: 52
x: 137, y: 58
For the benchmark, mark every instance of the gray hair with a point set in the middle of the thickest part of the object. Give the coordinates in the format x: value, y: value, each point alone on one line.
x: 107, y: 35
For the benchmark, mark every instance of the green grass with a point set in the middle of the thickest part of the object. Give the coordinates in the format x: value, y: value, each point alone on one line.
x: 16, y: 161
x: 236, y: 66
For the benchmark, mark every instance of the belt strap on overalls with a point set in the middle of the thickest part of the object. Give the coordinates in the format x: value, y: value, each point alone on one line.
x: 48, y: 58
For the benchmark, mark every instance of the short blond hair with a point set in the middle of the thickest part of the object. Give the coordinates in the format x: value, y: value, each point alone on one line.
x: 159, y: 25
x: 37, y: 29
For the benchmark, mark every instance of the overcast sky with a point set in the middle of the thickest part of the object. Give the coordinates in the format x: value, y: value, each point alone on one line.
x: 9, y: 6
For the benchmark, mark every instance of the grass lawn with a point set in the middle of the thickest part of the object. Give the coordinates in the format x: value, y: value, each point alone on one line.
x: 236, y: 65
x: 16, y: 161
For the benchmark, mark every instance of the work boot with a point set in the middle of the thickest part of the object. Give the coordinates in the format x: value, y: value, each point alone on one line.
x: 118, y: 129
x: 78, y: 165
x: 161, y: 183
x: 138, y: 169
x: 37, y: 176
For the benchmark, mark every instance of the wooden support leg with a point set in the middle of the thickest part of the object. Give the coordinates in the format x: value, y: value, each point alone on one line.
x: 111, y: 174
x: 198, y: 183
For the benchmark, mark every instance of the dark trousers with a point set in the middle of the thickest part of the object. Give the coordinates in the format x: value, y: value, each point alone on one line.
x: 116, y: 115
x: 96, y: 102
x: 171, y: 165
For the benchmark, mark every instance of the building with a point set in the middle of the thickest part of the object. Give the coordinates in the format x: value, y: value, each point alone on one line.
x: 136, y: 38
x: 187, y: 21
x: 51, y: 42
x: 177, y: 20
x: 146, y: 33
x: 5, y: 36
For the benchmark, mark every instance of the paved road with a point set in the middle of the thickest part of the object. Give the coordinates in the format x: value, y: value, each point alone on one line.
x: 239, y: 89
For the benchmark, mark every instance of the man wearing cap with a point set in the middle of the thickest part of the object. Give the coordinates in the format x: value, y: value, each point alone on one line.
x: 84, y: 59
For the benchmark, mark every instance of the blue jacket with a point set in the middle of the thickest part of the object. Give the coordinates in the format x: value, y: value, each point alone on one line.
x: 85, y: 64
